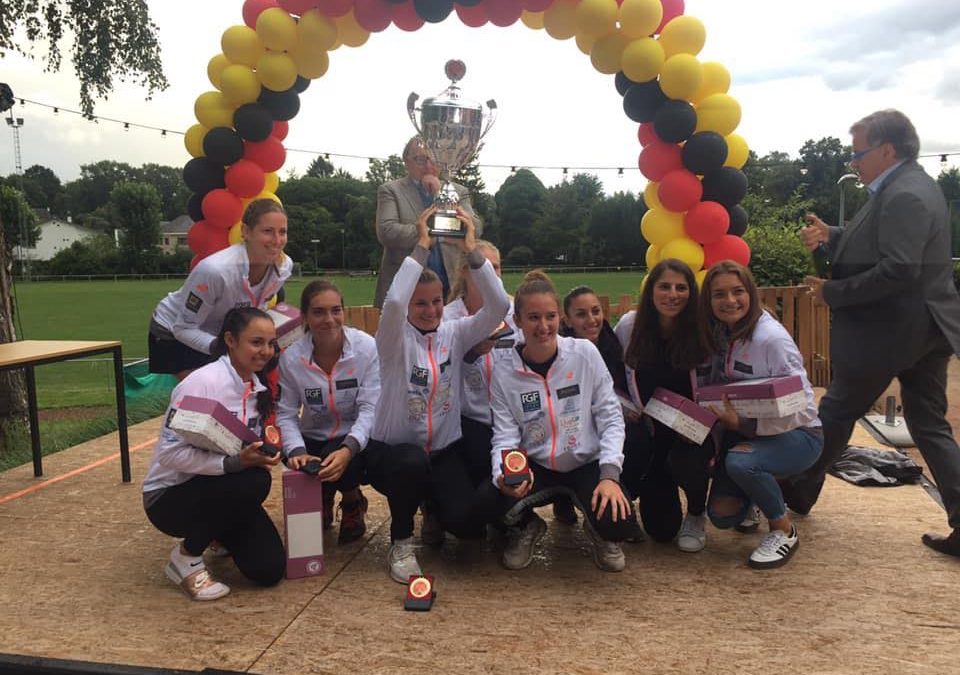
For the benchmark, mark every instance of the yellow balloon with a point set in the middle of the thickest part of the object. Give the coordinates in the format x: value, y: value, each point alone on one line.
x: 213, y: 110
x: 720, y: 113
x: 685, y: 249
x: 716, y: 80
x: 652, y: 256
x: 350, y: 32
x: 560, y: 19
x: 660, y: 227
x: 700, y: 276
x: 276, y: 71
x: 317, y: 31
x: 683, y: 35
x: 277, y: 29
x: 639, y: 18
x: 650, y: 197
x: 585, y: 42
x: 596, y: 17
x: 241, y: 45
x: 263, y: 195
x: 607, y: 53
x: 642, y: 59
x: 215, y: 66
x: 239, y: 84
x: 193, y: 139
x: 272, y: 182
x: 737, y: 151
x: 680, y: 76
x: 311, y: 62
x: 532, y: 20
x: 236, y: 233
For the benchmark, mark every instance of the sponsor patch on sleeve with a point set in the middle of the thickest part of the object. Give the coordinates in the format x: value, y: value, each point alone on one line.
x: 194, y: 302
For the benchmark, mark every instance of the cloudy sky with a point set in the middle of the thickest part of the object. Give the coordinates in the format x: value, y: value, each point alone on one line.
x: 800, y: 71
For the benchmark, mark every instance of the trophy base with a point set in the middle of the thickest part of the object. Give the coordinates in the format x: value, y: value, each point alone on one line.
x: 515, y: 478
x: 445, y: 224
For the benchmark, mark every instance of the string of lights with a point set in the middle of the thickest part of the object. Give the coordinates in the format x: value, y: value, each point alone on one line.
x: 127, y: 125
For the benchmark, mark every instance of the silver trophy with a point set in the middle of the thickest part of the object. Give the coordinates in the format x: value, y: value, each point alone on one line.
x: 450, y: 128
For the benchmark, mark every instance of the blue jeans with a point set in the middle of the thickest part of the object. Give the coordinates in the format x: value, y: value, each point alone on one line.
x: 752, y: 475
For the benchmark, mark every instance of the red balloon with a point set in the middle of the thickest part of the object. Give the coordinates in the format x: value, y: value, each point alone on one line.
x: 280, y: 129
x: 333, y: 7
x: 658, y: 159
x: 245, y: 179
x: 503, y: 13
x: 373, y: 15
x: 299, y: 7
x: 253, y: 8
x: 221, y: 208
x: 474, y: 16
x: 405, y: 17
x: 679, y: 191
x: 194, y: 260
x: 536, y: 5
x: 646, y: 135
x: 705, y: 222
x: 671, y: 10
x: 204, y: 239
x: 269, y: 154
x: 728, y: 247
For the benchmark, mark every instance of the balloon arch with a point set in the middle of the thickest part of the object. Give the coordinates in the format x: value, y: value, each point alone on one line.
x: 690, y: 153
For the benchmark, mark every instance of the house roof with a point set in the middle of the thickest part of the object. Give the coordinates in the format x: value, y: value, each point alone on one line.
x: 178, y: 225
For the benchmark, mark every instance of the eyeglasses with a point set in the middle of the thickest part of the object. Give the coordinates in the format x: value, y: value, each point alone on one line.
x: 857, y: 156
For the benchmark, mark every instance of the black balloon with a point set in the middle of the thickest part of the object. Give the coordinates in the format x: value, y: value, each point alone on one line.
x: 704, y: 152
x: 642, y: 101
x: 468, y: 3
x: 301, y: 85
x: 253, y: 122
x: 622, y: 82
x: 725, y: 185
x: 193, y: 208
x: 738, y: 220
x: 675, y: 121
x: 433, y: 11
x: 223, y: 145
x: 396, y: 2
x: 283, y: 105
x: 201, y: 175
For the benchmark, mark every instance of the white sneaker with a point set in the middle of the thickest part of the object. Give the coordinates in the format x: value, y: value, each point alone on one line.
x: 193, y: 578
x: 775, y: 549
x: 402, y: 560
x: 608, y: 555
x: 518, y: 552
x: 693, y: 533
x: 751, y: 521
x: 431, y: 532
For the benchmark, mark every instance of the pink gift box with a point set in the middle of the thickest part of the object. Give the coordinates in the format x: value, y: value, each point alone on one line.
x: 767, y: 397
x: 205, y: 423
x: 680, y: 414
x: 286, y: 319
x: 303, y: 524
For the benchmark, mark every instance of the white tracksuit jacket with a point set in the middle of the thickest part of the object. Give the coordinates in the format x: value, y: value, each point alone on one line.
x: 564, y: 421
x: 174, y: 460
x: 771, y: 352
x: 475, y: 387
x: 341, y: 403
x: 420, y: 374
x: 194, y: 313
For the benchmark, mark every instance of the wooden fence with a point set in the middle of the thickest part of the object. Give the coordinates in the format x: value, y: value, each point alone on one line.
x: 808, y: 323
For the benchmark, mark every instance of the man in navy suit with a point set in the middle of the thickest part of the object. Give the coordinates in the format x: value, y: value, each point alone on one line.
x: 895, y: 310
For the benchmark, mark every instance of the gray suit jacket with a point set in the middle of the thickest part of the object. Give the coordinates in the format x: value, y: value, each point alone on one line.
x: 892, y: 288
x: 398, y: 207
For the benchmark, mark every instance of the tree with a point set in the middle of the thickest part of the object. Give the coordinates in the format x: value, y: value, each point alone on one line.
x: 93, y: 255
x: 135, y: 211
x: 110, y: 37
x: 48, y: 186
x: 521, y: 200
x: 381, y: 171
x: 91, y: 191
x: 559, y: 233
x: 613, y: 231
x: 168, y: 180
x: 950, y: 184
x: 17, y: 219
x: 824, y: 161
x: 320, y: 167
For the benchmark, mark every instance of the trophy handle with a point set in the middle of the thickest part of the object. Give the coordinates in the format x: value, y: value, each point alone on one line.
x: 411, y: 103
x: 491, y: 118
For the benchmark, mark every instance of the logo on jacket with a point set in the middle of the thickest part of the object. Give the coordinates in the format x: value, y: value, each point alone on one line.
x: 536, y: 434
x: 347, y: 384
x: 419, y: 376
x: 194, y: 302
x: 566, y: 392
x: 743, y: 367
x: 530, y: 401
x: 313, y: 396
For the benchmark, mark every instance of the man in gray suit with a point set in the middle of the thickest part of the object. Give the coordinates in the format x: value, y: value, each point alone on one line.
x: 399, y: 204
x: 896, y: 311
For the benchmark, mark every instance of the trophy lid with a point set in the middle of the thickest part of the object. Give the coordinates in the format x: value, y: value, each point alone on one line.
x: 451, y: 96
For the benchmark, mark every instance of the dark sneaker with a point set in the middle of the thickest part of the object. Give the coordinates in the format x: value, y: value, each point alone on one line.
x: 563, y: 511
x: 949, y: 545
x: 352, y: 525
x: 750, y: 522
x: 328, y: 495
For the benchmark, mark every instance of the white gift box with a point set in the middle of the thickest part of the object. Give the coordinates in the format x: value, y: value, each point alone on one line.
x: 680, y: 414
x: 205, y: 423
x: 767, y: 397
x: 286, y: 319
